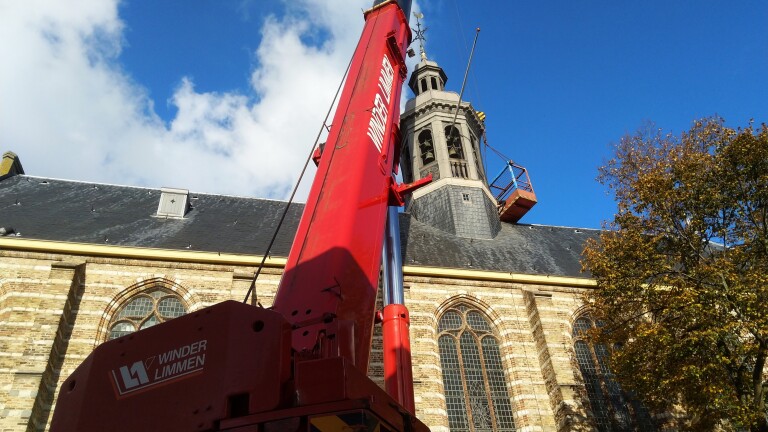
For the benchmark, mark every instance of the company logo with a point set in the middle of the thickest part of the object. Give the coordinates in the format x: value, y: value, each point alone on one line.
x: 380, y: 111
x: 175, y: 364
x: 135, y: 376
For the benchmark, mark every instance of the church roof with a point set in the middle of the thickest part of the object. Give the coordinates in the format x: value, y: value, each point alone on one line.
x: 517, y: 248
x: 71, y: 211
x: 63, y: 210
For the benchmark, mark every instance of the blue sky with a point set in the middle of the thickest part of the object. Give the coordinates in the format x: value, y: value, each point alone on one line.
x: 226, y: 96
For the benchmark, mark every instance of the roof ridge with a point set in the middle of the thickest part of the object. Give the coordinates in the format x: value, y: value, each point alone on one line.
x: 93, y: 183
x: 561, y: 226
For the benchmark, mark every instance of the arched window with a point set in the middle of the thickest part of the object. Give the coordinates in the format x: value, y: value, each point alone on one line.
x: 145, y: 310
x: 473, y: 376
x: 453, y: 139
x: 613, y: 409
x: 426, y: 147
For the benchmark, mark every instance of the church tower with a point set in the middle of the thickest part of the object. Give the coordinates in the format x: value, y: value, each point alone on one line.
x: 458, y: 200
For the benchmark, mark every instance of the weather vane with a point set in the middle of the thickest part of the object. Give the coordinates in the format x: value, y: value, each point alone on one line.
x: 420, y: 34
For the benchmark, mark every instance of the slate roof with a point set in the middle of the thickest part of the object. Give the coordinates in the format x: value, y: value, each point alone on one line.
x: 63, y: 210
x: 71, y: 211
x: 518, y: 248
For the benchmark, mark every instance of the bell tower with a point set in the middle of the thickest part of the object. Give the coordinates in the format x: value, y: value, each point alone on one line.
x: 458, y: 200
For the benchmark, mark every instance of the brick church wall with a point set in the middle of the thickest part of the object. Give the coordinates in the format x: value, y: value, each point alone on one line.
x: 55, y: 308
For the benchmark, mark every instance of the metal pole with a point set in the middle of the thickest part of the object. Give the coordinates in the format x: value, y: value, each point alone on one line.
x: 398, y: 371
x: 394, y: 258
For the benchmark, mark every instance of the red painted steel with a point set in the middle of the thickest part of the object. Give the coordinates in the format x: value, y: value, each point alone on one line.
x: 517, y: 205
x: 333, y: 268
x: 236, y: 367
x: 223, y: 368
x: 398, y: 373
x: 183, y: 375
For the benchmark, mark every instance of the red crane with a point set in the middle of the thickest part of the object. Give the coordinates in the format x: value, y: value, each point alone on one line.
x: 300, y: 365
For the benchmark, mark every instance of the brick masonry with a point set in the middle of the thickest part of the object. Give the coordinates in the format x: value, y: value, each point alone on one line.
x: 54, y: 309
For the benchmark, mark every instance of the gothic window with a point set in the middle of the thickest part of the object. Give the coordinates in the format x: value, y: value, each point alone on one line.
x: 473, y: 375
x: 145, y: 310
x: 426, y: 147
x: 612, y: 408
x: 453, y: 138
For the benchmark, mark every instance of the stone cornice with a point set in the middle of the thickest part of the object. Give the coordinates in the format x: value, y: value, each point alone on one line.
x: 83, y: 249
x: 482, y: 275
x: 113, y: 251
x: 446, y: 107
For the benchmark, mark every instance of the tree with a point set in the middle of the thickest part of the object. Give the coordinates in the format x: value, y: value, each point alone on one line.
x: 682, y: 273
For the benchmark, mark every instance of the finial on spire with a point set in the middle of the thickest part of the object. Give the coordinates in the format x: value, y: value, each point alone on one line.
x: 420, y: 34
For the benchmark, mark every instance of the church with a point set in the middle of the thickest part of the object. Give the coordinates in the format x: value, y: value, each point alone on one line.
x: 497, y: 306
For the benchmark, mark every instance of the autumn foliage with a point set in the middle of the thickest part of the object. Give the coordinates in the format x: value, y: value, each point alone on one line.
x: 682, y: 273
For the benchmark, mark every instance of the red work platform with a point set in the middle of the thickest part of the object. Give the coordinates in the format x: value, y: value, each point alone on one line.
x: 514, y: 192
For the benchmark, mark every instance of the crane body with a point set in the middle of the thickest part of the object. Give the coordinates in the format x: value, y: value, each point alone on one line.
x: 300, y: 365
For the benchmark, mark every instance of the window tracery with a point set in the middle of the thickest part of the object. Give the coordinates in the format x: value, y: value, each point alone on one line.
x: 473, y: 375
x: 144, y: 310
x: 612, y: 408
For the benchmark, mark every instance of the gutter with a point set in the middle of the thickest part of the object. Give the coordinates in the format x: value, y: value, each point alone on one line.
x: 47, y: 246
x: 188, y: 256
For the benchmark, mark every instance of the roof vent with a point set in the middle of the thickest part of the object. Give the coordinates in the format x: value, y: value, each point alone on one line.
x: 173, y: 203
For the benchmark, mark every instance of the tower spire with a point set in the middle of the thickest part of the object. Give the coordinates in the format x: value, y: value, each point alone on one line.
x: 420, y: 34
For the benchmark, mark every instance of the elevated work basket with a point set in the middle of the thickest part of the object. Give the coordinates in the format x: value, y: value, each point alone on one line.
x: 513, y: 191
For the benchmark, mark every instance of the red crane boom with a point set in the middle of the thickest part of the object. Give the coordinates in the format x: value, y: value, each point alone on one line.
x: 300, y: 366
x: 333, y: 267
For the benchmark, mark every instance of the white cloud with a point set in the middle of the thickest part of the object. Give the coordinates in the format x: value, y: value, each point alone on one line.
x: 70, y: 111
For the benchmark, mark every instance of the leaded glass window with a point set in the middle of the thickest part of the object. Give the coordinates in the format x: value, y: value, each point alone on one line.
x: 613, y: 410
x: 473, y: 375
x: 145, y: 310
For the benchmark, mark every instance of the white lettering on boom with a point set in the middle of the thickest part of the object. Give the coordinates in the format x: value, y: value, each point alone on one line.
x: 380, y: 111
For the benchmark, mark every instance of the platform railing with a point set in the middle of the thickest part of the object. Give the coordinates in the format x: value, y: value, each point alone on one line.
x: 511, y: 177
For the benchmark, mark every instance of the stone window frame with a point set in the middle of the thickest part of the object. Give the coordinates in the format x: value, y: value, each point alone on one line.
x: 189, y: 300
x: 155, y: 309
x: 612, y: 409
x: 457, y: 137
x: 424, y: 147
x: 495, y: 394
x: 474, y: 143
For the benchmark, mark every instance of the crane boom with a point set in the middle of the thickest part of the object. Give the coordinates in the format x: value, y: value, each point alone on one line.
x: 333, y: 268
x: 301, y: 365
